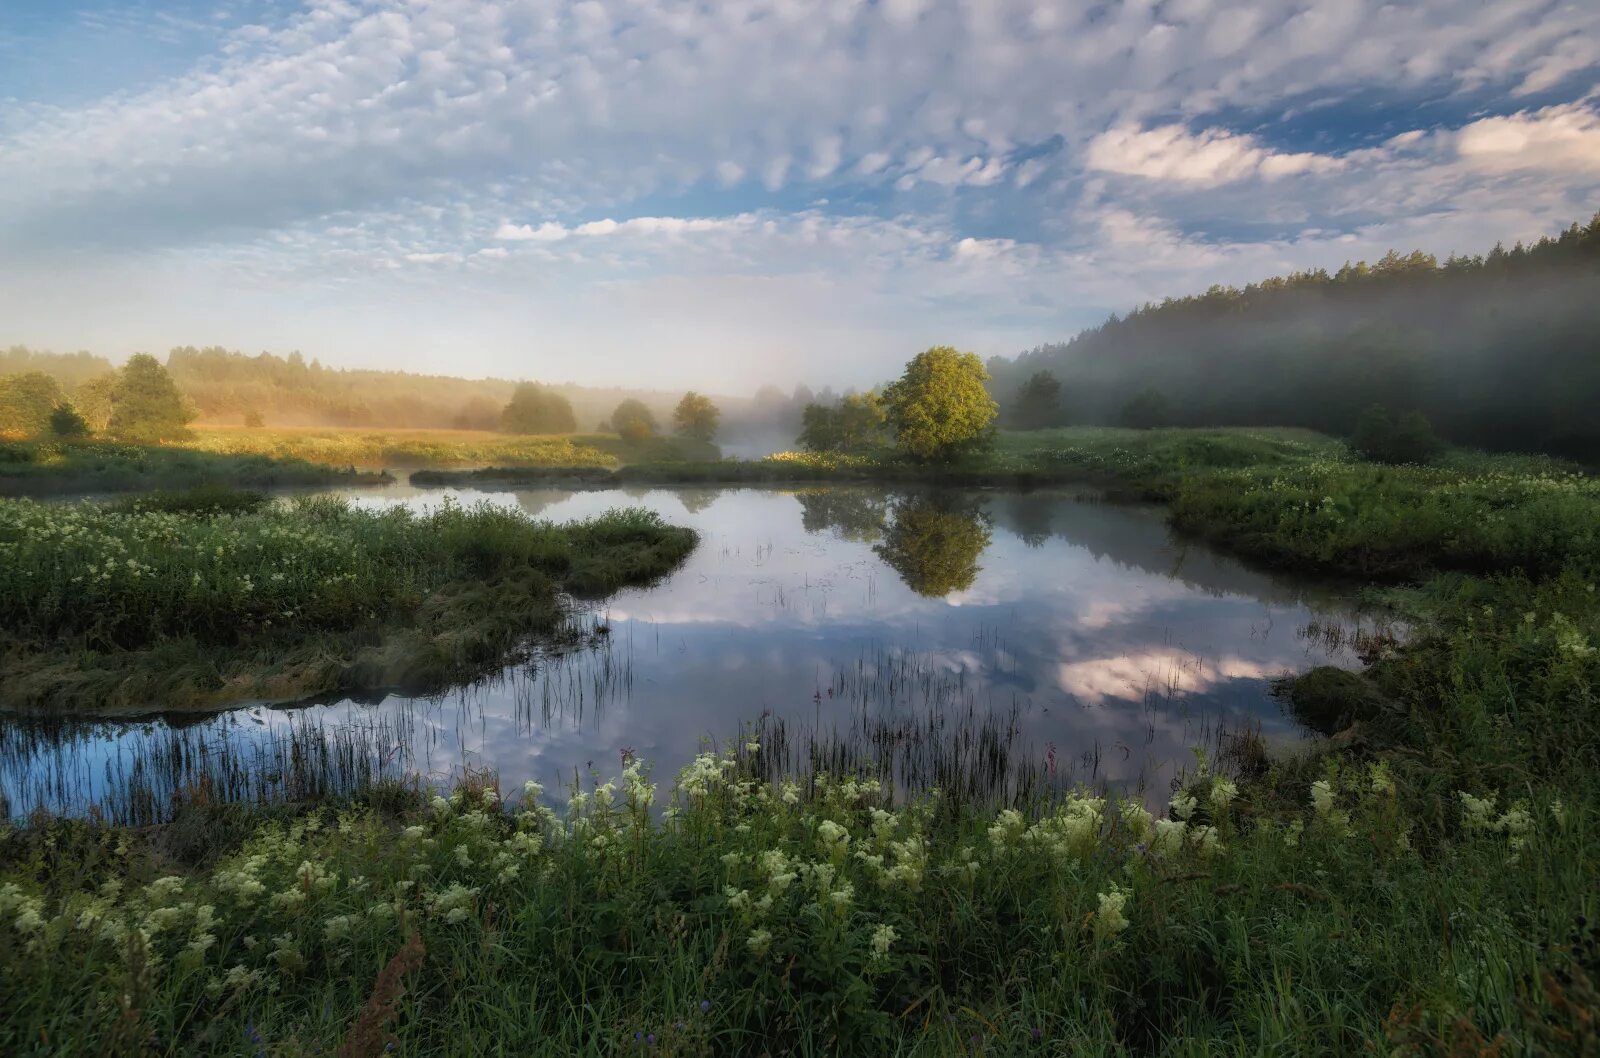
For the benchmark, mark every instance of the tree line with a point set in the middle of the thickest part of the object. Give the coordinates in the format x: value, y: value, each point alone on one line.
x: 142, y: 402
x: 1497, y: 350
x: 225, y: 386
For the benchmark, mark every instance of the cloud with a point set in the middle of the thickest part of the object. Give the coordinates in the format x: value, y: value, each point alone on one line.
x: 1559, y: 139
x: 549, y: 231
x: 1204, y: 159
x: 770, y: 178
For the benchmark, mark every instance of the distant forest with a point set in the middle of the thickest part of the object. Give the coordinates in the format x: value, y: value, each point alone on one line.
x: 233, y: 387
x: 1499, y: 351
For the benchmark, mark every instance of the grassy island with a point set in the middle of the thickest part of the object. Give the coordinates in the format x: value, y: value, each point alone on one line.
x: 201, y: 598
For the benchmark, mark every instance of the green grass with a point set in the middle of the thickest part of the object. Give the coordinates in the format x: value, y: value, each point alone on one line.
x: 1416, y: 885
x: 442, y: 448
x: 763, y: 918
x: 203, y: 598
x: 41, y: 468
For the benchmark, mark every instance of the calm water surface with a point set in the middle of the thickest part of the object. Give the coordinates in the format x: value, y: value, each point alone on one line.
x: 1106, y: 648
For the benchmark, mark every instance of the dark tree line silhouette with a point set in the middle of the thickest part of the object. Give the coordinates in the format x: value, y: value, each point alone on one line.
x: 1499, y: 350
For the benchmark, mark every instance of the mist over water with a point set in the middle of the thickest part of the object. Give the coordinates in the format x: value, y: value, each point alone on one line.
x: 1078, y: 633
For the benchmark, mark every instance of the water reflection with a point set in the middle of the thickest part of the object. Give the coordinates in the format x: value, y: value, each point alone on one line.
x: 934, y: 542
x: 1103, y: 642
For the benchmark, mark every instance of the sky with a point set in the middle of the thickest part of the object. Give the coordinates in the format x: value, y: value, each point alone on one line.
x: 724, y: 193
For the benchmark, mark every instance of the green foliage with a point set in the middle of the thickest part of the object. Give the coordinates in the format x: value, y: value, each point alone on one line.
x: 1038, y: 403
x: 146, y: 406
x: 696, y: 417
x: 298, y: 598
x: 1382, y: 436
x: 534, y: 409
x: 855, y: 424
x: 95, y: 466
x: 254, y: 420
x: 939, y: 407
x: 633, y: 421
x: 1146, y: 410
x: 26, y: 403
x: 934, y: 544
x: 92, y: 400
x: 65, y: 422
x: 820, y: 917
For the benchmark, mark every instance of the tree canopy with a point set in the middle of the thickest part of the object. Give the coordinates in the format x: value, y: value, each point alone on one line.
x: 1038, y: 403
x: 536, y: 409
x: 1382, y: 436
x: 633, y: 420
x: 939, y: 407
x: 854, y: 424
x: 146, y: 406
x: 696, y: 416
x: 1146, y: 410
x: 26, y: 401
x: 1496, y: 350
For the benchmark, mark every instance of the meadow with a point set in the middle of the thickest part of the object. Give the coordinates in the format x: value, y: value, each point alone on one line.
x: 1421, y: 882
x: 408, y: 448
x: 204, y: 597
x: 42, y: 468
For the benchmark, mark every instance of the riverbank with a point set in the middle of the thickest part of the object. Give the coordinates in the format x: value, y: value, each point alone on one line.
x: 87, y: 467
x: 1420, y: 883
x: 195, y: 600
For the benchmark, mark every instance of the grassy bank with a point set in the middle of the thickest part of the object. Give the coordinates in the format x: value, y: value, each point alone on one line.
x: 769, y: 918
x: 1419, y: 884
x: 194, y: 600
x: 42, y: 468
x: 442, y: 448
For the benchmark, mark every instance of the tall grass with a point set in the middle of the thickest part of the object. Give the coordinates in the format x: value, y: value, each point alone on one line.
x: 42, y: 468
x: 763, y: 917
x: 295, y: 598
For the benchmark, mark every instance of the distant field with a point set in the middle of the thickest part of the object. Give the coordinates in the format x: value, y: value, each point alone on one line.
x: 441, y: 448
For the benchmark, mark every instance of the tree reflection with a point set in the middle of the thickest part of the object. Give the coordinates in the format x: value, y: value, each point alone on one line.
x: 696, y: 500
x: 852, y: 514
x: 535, y: 503
x: 1029, y: 515
x: 934, y: 543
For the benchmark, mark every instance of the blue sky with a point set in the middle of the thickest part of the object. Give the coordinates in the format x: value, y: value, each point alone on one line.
x: 721, y: 194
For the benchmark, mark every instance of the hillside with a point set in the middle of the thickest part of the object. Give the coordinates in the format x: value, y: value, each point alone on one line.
x: 1498, y: 350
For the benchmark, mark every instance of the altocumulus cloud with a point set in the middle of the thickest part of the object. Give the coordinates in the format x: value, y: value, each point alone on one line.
x: 769, y: 186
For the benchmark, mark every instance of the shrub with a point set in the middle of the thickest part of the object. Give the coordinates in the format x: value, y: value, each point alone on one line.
x: 66, y: 422
x: 1383, y: 437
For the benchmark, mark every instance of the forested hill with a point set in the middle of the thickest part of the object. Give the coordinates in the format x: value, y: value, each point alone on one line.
x: 1500, y: 350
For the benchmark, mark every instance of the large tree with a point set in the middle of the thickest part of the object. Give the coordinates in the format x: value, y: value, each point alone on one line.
x: 1038, y: 405
x: 536, y: 409
x: 633, y: 420
x: 26, y: 401
x: 146, y: 406
x: 939, y: 407
x: 696, y: 416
